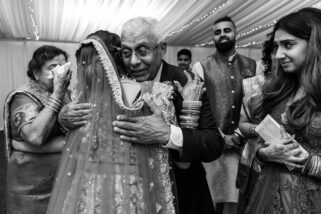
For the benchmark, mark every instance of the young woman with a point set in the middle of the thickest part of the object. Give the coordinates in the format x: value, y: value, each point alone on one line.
x: 294, y: 101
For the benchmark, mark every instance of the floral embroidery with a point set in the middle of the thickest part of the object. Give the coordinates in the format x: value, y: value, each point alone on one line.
x: 112, y: 76
x: 24, y: 113
x: 284, y: 118
x: 126, y: 188
x: 291, y: 191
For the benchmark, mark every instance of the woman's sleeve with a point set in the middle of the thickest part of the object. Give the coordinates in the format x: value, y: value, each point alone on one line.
x: 23, y: 111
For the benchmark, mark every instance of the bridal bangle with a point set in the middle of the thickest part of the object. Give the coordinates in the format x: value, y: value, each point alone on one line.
x: 258, y: 159
x: 312, y: 166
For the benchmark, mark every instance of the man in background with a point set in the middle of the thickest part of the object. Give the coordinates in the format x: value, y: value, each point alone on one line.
x: 224, y: 72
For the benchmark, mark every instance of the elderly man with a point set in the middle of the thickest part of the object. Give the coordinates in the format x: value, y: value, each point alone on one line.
x: 142, y: 53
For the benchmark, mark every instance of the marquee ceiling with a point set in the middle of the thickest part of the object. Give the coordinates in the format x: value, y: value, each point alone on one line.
x: 183, y: 22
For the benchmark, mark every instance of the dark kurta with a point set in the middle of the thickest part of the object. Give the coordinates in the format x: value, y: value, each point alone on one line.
x: 201, y: 145
x: 223, y: 81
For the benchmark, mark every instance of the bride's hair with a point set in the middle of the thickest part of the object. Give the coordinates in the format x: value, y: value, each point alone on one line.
x: 113, y: 44
x: 87, y: 61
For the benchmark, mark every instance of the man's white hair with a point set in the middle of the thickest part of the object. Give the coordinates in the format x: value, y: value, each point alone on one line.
x: 142, y: 25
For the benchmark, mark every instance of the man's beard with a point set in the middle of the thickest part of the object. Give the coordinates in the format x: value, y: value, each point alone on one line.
x: 225, y: 46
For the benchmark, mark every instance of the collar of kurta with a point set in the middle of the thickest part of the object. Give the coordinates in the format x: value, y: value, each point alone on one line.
x: 228, y: 59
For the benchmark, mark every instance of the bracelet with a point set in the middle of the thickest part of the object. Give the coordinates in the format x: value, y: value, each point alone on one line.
x: 238, y: 135
x: 313, y: 166
x: 307, y: 164
x: 258, y: 160
x: 52, y: 108
x: 318, y: 171
x: 56, y: 99
x: 252, y: 130
x: 54, y: 104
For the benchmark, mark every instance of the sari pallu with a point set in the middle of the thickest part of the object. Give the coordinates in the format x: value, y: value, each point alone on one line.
x: 248, y: 168
x: 98, y: 172
x: 30, y: 175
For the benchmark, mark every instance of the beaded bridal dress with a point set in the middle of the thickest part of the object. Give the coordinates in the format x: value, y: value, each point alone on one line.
x: 98, y: 172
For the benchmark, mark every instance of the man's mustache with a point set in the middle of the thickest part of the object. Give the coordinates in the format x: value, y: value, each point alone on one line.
x: 223, y: 38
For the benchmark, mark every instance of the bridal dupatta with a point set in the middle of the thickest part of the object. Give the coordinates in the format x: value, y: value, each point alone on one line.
x: 98, y: 172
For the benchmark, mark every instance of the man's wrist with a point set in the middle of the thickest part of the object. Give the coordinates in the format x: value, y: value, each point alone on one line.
x: 167, y: 135
x: 240, y: 137
x: 175, y: 139
x: 258, y: 155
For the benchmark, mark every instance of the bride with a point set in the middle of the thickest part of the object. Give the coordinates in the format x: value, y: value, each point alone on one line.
x: 98, y: 172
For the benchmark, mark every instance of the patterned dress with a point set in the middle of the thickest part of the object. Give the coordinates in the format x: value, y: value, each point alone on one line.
x: 100, y: 173
x: 30, y: 175
x: 279, y: 190
x: 223, y: 82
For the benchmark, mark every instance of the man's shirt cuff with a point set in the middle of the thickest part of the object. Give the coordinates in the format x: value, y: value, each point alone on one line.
x: 175, y: 138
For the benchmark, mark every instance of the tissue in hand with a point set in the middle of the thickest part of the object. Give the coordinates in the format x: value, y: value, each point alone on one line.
x: 59, y: 69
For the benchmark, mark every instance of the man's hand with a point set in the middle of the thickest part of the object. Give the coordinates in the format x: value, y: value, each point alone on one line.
x: 143, y: 130
x: 75, y: 114
x: 232, y: 141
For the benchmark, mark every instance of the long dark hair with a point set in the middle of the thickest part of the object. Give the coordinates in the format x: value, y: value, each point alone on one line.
x: 304, y: 24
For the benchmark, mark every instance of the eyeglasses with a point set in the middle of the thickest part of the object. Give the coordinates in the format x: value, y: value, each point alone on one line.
x: 140, y: 53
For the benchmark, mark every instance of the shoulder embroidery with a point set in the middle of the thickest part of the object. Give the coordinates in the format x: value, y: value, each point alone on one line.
x: 24, y: 113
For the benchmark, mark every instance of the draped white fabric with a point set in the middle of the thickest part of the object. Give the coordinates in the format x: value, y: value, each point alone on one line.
x: 73, y: 20
x: 68, y: 21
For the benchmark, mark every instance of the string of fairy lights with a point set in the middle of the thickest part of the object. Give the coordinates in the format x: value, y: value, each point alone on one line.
x: 247, y: 33
x: 253, y: 31
x: 35, y: 30
x: 201, y: 18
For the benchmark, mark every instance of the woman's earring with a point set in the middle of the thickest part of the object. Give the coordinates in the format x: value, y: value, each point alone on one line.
x: 36, y: 76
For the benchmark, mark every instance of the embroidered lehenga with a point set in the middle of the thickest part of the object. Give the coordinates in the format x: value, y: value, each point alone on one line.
x: 98, y: 172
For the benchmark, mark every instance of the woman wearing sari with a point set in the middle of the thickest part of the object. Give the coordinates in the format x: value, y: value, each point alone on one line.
x: 34, y: 139
x: 98, y: 172
x: 290, y: 180
x: 248, y: 168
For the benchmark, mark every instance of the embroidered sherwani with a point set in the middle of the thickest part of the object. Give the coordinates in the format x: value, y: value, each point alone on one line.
x: 223, y: 80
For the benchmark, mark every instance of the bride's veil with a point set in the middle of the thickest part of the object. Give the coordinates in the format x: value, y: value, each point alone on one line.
x: 98, y: 172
